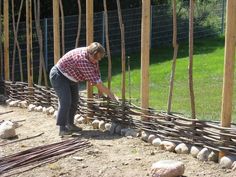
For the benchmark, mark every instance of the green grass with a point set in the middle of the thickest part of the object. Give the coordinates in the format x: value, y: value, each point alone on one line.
x: 207, y: 75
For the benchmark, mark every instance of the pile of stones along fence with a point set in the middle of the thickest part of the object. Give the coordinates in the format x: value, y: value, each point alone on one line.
x: 161, y: 129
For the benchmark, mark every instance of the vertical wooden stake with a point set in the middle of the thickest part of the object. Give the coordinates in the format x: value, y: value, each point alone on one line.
x: 175, y: 46
x: 56, y: 31
x: 29, y: 42
x: 89, y: 36
x: 89, y: 40
x: 1, y: 51
x: 6, y: 39
x: 123, y: 59
x: 191, y: 15
x: 107, y: 44
x: 145, y: 54
x: 229, y: 59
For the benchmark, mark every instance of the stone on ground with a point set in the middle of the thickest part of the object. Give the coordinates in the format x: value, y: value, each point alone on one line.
x: 7, y: 130
x: 168, y: 146
x: 101, y: 125
x: 213, y: 156
x: 156, y: 142
x: 167, y: 168
x: 95, y: 124
x: 151, y: 138
x: 195, y: 150
x: 182, y: 148
x: 203, y: 154
x: 227, y: 161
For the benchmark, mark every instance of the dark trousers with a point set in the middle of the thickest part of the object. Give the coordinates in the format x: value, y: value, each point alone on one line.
x: 67, y: 92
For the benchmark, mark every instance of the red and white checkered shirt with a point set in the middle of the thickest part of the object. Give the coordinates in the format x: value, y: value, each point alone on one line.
x: 76, y: 66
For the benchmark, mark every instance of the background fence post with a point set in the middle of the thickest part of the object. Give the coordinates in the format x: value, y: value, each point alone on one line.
x: 46, y: 42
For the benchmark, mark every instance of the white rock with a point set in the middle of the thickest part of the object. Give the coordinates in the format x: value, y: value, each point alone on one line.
x: 95, y: 124
x: 14, y: 103
x: 55, y: 114
x: 227, y: 161
x: 168, y: 146
x: 167, y: 168
x: 7, y: 130
x: 151, y: 138
x: 23, y: 104
x: 195, y: 150
x: 51, y: 111
x: 118, y: 129
x: 203, y: 154
x: 38, y: 109
x: 31, y: 107
x: 8, y: 101
x: 144, y: 136
x: 77, y: 116
x: 182, y: 148
x: 156, y: 142
x: 80, y: 120
x: 44, y: 110
x: 107, y: 126
x: 213, y: 156
x: 101, y: 125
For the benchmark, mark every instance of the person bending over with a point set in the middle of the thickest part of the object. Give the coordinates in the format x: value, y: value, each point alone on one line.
x: 80, y: 64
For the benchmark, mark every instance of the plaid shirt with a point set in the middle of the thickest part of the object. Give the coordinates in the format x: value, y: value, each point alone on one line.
x: 75, y: 65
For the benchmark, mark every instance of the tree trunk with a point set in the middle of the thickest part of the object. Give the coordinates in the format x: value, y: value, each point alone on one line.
x: 107, y: 43
x: 62, y: 28
x: 1, y: 51
x: 79, y: 25
x: 191, y: 14
x: 16, y: 42
x: 122, y: 31
x: 40, y: 40
x: 175, y: 46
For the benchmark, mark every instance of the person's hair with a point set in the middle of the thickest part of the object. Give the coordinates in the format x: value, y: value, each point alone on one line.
x: 96, y: 47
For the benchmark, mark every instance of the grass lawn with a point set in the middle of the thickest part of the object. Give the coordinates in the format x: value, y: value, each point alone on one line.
x: 207, y: 74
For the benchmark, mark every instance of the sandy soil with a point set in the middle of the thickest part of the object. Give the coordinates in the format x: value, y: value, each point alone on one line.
x: 110, y: 155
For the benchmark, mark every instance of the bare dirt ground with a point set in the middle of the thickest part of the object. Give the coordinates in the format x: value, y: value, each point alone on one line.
x: 109, y: 156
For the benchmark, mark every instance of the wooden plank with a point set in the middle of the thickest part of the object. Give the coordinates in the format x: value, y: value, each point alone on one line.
x: 29, y: 42
x: 89, y: 36
x: 56, y: 31
x: 145, y: 53
x: 229, y: 58
x: 227, y: 94
x: 6, y: 39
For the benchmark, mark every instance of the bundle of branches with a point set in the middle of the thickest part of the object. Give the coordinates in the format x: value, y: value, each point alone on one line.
x: 40, y: 155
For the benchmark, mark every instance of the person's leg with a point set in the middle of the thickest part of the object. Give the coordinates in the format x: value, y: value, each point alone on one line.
x: 74, y: 105
x: 74, y: 102
x: 61, y: 86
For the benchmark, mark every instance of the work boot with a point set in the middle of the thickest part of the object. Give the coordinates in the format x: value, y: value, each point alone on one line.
x: 73, y: 128
x: 64, y: 131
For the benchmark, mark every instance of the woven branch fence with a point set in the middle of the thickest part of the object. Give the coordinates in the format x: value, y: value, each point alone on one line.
x: 171, y: 127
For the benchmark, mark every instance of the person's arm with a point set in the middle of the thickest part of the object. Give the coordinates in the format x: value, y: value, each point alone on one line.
x: 106, y: 91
